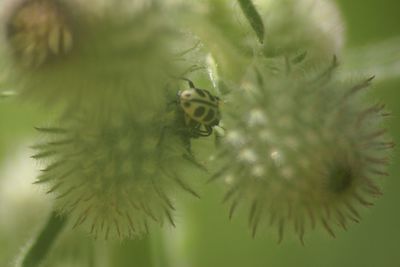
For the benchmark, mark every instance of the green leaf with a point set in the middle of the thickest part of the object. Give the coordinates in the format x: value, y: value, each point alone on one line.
x: 253, y: 17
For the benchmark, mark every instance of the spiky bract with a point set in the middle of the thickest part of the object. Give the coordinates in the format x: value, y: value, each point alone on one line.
x: 302, y: 151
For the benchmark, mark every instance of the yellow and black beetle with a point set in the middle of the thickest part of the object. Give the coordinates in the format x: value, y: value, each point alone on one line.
x: 200, y: 108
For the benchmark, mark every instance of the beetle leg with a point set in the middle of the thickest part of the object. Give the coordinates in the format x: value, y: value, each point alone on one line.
x: 195, y: 132
x: 204, y: 133
x: 208, y: 131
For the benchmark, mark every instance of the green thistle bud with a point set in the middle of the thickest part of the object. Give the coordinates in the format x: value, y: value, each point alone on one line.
x: 302, y: 151
x: 114, y: 171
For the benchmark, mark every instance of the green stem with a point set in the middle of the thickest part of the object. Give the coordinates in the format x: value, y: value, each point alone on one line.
x: 44, y: 241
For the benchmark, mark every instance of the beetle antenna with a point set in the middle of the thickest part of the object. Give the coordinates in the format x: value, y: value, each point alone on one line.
x: 191, y: 84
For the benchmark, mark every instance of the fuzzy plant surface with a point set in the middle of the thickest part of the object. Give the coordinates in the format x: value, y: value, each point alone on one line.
x: 131, y: 86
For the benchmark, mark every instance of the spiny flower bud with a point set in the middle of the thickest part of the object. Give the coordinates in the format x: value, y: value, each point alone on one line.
x: 113, y: 171
x: 302, y: 151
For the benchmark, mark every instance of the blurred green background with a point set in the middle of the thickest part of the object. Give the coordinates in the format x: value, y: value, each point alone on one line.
x: 204, y: 236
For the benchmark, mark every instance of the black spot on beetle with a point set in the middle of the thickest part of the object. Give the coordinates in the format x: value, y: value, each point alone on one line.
x: 199, y: 111
x: 210, y: 115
